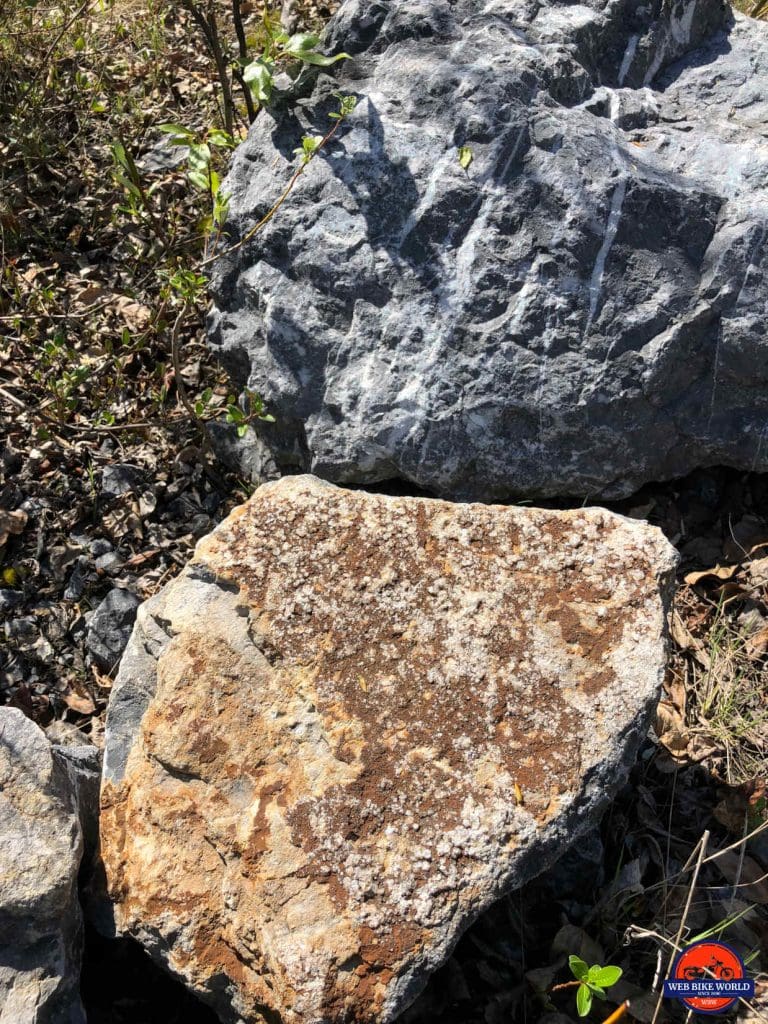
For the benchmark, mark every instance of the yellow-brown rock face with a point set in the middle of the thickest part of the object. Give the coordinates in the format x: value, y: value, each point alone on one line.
x: 321, y: 730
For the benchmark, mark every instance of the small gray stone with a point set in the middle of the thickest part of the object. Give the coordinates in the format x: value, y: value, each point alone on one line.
x: 40, y: 850
x: 120, y: 478
x: 107, y: 561
x: 10, y: 599
x: 110, y: 627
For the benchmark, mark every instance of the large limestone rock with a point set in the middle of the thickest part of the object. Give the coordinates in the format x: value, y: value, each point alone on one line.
x: 40, y: 849
x: 320, y: 733
x: 579, y: 312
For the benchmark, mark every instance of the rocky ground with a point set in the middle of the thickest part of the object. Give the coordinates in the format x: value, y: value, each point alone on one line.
x: 107, y: 479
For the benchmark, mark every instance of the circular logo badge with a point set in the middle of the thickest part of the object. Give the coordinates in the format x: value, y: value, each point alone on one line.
x: 708, y: 977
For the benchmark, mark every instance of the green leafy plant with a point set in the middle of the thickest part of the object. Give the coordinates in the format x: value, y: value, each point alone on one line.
x: 592, y: 981
x: 254, y: 410
x: 201, y: 174
x: 278, y: 47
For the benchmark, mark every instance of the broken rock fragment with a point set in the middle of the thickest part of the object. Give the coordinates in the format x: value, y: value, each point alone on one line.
x: 354, y: 721
x: 40, y: 850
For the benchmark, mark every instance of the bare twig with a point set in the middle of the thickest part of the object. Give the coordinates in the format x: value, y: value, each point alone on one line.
x: 242, y: 50
x: 180, y: 385
x: 283, y: 196
x: 702, y: 849
x: 207, y: 25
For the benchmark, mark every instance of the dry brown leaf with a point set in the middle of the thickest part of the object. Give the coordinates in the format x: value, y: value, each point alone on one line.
x: 11, y: 523
x: 686, y: 641
x: 671, y: 730
x: 90, y: 294
x: 136, y: 315
x: 757, y: 644
x: 720, y: 572
x: 731, y: 591
x: 82, y: 705
x: 757, y: 569
x: 675, y: 690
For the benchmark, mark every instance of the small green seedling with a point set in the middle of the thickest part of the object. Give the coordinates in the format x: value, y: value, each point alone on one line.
x: 593, y: 981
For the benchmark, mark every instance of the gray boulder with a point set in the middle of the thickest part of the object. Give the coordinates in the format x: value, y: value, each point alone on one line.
x: 40, y: 850
x: 581, y: 310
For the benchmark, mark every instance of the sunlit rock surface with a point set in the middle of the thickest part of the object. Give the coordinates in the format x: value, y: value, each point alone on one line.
x: 354, y: 721
x: 581, y: 311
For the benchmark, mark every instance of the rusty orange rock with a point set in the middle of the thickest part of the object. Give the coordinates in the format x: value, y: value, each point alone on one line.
x: 354, y: 721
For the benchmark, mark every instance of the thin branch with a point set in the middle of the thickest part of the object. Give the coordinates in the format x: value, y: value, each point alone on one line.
x: 692, y: 888
x: 284, y: 195
x: 181, y: 387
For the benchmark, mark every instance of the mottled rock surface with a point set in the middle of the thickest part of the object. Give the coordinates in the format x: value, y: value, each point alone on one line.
x: 318, y: 730
x: 40, y: 850
x: 581, y: 311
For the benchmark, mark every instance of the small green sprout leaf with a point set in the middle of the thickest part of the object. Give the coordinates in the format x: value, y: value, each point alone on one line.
x: 583, y: 1000
x: 604, y: 977
x: 466, y: 156
x: 179, y: 135
x: 578, y: 968
x: 301, y: 42
x: 222, y: 139
x: 303, y: 47
x: 592, y: 982
x: 308, y: 148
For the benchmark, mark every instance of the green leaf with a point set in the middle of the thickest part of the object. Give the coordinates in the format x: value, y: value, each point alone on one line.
x: 604, y: 977
x: 199, y: 156
x: 222, y: 139
x: 300, y: 42
x: 199, y: 179
x: 466, y: 156
x: 320, y: 59
x: 258, y: 77
x: 309, y: 146
x: 180, y: 136
x: 583, y: 1000
x: 596, y: 990
x: 579, y: 968
x: 242, y: 430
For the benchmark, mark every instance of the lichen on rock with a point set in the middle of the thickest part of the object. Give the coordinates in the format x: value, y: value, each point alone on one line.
x: 318, y: 732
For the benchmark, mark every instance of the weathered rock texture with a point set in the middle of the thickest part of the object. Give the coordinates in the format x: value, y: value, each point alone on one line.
x: 317, y: 731
x: 40, y: 849
x: 581, y: 311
